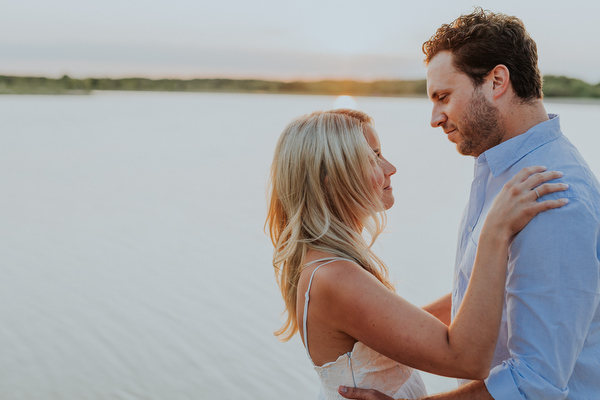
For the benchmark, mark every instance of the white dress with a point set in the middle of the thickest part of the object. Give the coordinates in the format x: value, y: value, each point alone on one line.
x: 363, y: 367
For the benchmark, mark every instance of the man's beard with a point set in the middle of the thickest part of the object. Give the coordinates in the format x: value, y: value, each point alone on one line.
x: 482, y: 127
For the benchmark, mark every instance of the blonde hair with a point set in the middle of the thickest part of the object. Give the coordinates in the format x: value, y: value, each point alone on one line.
x: 321, y: 198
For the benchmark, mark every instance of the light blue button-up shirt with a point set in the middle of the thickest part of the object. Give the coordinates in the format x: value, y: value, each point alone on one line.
x: 549, y: 343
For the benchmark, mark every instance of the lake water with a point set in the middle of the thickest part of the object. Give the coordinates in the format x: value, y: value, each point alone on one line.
x: 133, y: 258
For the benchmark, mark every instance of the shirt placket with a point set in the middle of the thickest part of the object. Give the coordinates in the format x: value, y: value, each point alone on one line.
x: 475, y: 207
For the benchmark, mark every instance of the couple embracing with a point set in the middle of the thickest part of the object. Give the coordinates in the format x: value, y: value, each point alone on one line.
x: 523, y: 318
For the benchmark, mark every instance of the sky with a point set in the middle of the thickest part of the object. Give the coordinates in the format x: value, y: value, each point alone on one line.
x: 270, y: 39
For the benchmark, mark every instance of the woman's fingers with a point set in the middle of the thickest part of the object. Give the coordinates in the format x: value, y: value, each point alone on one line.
x: 537, y: 179
x: 527, y: 172
x: 549, y: 204
x: 532, y: 182
x: 547, y: 188
x: 519, y: 201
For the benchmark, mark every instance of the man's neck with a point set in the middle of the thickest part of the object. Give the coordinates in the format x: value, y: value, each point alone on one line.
x: 519, y: 118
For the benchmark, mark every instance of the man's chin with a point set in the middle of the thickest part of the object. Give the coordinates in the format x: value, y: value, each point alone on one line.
x: 465, y: 150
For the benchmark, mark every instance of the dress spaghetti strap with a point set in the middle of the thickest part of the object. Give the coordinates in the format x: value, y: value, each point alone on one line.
x: 306, y: 296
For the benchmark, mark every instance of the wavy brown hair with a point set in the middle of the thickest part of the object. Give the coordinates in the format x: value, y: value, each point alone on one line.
x: 321, y: 198
x: 482, y: 40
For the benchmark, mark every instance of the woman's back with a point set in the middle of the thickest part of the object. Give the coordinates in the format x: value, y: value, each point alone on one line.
x: 360, y: 366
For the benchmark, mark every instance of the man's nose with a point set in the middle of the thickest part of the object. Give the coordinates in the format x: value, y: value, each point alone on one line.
x: 437, y: 117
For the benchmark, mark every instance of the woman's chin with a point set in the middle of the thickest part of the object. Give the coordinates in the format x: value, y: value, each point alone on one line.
x: 388, y: 203
x: 387, y: 198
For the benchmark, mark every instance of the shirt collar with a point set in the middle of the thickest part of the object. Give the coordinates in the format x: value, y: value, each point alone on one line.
x: 504, y: 155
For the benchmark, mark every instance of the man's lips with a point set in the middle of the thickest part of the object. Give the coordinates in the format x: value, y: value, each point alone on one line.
x: 452, y: 135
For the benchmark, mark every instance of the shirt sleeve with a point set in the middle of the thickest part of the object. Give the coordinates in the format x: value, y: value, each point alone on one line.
x: 552, y: 293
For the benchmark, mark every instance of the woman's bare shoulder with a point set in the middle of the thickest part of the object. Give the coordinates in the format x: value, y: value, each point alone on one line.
x: 341, y: 280
x: 333, y: 268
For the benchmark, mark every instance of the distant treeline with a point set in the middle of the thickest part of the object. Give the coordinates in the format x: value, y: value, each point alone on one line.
x: 554, y: 86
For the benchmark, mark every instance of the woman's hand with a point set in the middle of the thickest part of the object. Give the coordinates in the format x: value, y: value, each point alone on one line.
x: 517, y: 203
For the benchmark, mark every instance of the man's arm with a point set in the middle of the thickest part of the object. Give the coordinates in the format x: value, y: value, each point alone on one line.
x: 441, y: 308
x: 551, y: 296
x: 475, y: 390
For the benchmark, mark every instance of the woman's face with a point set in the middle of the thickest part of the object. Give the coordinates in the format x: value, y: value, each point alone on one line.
x: 382, y: 169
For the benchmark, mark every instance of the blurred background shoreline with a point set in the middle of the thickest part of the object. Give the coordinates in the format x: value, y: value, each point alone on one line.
x: 554, y: 86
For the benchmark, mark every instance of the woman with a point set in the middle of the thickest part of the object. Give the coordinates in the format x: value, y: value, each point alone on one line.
x: 329, y: 186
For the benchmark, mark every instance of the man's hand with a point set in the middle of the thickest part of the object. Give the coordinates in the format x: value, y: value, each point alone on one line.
x: 474, y: 390
x: 362, y: 394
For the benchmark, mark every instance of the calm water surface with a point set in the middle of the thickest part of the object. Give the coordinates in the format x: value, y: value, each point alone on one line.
x: 133, y: 258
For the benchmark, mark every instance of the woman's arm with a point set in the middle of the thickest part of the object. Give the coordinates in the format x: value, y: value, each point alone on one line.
x: 363, y: 308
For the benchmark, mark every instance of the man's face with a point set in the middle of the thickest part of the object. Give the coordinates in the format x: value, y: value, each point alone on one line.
x: 461, y: 109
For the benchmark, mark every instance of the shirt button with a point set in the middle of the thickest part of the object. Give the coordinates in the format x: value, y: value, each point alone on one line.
x: 470, y: 229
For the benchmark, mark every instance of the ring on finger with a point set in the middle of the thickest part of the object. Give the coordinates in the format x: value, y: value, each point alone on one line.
x: 536, y: 192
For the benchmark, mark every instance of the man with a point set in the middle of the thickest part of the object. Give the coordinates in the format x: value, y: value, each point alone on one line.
x: 486, y: 90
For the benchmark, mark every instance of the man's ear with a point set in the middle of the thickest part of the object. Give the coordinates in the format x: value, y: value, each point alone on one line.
x: 500, y: 80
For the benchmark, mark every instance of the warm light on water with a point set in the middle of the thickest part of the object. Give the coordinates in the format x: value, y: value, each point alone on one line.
x: 345, y: 102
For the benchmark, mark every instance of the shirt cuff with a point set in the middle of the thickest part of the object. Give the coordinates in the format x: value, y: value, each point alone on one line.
x: 501, y: 385
x: 515, y: 380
